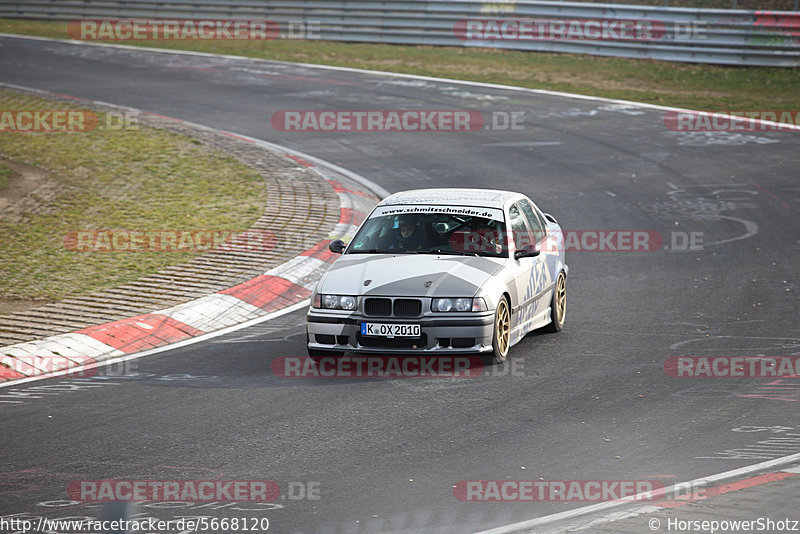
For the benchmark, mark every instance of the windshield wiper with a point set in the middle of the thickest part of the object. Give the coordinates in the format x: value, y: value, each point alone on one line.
x: 447, y: 252
x: 383, y: 251
x: 370, y: 251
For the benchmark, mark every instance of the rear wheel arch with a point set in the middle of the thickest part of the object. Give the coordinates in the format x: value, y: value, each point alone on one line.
x: 558, y: 304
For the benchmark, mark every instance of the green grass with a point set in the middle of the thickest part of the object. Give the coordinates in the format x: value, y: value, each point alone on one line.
x: 706, y: 87
x: 144, y: 179
x: 5, y: 175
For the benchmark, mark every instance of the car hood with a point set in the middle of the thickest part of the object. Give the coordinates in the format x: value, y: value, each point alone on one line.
x: 410, y: 275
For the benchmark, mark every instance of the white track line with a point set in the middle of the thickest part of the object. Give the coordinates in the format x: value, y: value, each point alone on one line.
x: 784, y: 126
x: 603, y: 506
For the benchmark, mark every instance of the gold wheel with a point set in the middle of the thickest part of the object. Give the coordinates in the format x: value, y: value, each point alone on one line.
x: 502, y: 331
x: 561, y: 299
x: 558, y: 306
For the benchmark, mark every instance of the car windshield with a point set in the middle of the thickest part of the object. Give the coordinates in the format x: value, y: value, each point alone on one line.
x: 431, y: 233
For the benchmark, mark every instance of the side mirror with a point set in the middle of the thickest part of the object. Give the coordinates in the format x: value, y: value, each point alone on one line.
x: 337, y: 246
x: 529, y: 251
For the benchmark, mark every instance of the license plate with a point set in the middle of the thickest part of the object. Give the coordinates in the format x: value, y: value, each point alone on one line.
x: 390, y: 330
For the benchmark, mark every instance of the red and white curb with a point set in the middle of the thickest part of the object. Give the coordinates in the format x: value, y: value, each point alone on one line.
x: 279, y: 288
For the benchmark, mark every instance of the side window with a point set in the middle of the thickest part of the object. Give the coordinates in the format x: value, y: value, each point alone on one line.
x: 535, y: 222
x: 541, y: 218
x: 519, y: 229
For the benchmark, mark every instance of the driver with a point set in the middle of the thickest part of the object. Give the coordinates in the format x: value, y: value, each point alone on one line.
x: 408, y: 235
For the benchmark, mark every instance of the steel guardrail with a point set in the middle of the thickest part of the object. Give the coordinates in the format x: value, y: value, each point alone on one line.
x: 716, y: 36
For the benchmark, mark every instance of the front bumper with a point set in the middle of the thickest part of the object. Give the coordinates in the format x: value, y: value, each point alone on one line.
x: 441, y: 333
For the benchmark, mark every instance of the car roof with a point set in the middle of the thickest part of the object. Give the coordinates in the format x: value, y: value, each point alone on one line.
x: 489, y: 198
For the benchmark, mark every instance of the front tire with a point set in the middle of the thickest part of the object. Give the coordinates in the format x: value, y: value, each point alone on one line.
x: 502, y: 331
x: 558, y: 306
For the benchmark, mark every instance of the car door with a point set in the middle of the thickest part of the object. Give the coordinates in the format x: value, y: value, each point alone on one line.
x: 546, y: 261
x: 533, y: 278
x: 525, y: 274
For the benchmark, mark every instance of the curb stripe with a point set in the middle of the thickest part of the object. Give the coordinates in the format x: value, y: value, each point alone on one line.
x: 32, y: 356
x: 351, y: 216
x: 239, y: 137
x: 20, y: 365
x: 299, y: 160
x: 340, y: 188
x: 320, y: 251
x: 268, y: 292
x: 300, y: 271
x: 141, y: 332
x: 213, y: 311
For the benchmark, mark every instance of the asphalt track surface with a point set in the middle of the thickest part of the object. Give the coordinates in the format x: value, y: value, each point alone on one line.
x: 590, y: 403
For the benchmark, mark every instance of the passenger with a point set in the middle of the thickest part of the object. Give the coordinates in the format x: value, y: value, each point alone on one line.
x: 483, y: 237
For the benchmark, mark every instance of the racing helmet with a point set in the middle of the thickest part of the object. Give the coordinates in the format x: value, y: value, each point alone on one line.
x: 407, y: 220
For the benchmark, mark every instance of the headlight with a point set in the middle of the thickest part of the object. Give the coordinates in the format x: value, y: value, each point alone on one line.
x: 457, y: 305
x: 443, y: 305
x: 336, y: 302
x: 347, y: 303
x: 463, y: 305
